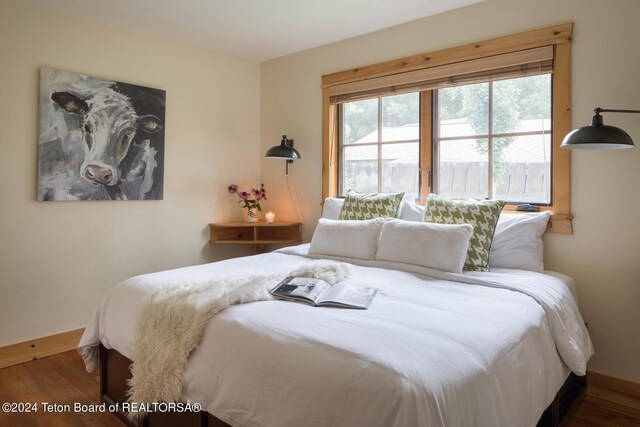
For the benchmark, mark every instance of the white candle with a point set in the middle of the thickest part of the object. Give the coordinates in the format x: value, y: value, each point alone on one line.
x: 270, y: 217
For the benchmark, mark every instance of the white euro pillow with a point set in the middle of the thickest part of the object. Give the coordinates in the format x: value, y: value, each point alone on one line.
x: 517, y: 242
x: 410, y: 211
x: 346, y: 238
x: 331, y: 208
x: 438, y: 246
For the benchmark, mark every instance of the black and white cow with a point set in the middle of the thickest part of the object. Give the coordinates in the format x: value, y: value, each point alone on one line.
x: 108, y: 125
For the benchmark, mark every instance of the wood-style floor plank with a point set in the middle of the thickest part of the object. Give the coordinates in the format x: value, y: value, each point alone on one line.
x: 595, y: 412
x: 62, y: 379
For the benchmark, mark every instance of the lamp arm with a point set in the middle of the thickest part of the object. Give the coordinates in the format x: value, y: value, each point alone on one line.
x: 599, y: 110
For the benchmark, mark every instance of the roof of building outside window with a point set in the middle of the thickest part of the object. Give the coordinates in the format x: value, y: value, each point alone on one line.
x: 525, y: 149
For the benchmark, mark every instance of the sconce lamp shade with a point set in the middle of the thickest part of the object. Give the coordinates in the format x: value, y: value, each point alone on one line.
x: 598, y: 136
x: 284, y: 151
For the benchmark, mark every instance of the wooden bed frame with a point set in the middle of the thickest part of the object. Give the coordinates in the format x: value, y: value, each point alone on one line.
x: 114, y: 373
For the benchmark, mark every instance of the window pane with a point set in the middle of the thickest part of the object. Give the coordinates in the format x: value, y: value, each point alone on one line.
x: 522, y: 169
x: 360, y: 121
x: 463, y: 167
x: 400, y: 168
x: 401, y: 117
x: 463, y: 110
x: 522, y: 105
x: 360, y: 171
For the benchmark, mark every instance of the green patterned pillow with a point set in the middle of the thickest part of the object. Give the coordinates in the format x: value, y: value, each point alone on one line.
x: 481, y: 214
x: 368, y: 206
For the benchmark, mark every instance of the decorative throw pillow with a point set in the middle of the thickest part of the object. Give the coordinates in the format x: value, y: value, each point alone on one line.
x: 359, y: 206
x: 438, y: 246
x: 352, y: 239
x: 481, y: 214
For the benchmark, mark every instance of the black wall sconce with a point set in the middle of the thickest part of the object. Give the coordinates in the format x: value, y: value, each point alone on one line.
x: 284, y: 151
x: 598, y: 136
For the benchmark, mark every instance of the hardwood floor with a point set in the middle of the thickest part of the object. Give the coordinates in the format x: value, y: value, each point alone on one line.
x: 595, y: 412
x: 62, y: 380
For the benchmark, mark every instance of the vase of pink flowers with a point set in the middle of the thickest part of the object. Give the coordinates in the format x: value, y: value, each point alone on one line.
x: 250, y: 200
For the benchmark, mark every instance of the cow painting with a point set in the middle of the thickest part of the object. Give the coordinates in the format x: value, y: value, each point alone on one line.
x: 99, y: 140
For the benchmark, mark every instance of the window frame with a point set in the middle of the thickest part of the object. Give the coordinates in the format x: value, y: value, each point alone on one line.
x: 559, y: 36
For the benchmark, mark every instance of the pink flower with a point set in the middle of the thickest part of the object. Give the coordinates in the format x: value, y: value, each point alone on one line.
x: 249, y: 199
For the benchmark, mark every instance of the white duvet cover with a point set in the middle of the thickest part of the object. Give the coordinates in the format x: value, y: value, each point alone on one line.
x: 428, y: 352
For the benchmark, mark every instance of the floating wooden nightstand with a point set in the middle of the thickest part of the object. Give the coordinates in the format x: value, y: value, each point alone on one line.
x: 257, y: 233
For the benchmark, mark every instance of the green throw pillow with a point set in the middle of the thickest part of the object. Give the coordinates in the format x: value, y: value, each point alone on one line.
x: 481, y: 214
x: 368, y: 206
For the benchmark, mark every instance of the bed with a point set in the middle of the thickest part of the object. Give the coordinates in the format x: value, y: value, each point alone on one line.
x: 434, y: 349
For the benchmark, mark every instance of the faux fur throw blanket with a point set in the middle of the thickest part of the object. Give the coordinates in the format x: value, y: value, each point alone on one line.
x: 172, y: 321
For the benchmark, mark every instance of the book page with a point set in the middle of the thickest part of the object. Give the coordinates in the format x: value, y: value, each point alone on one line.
x: 302, y: 288
x: 349, y: 296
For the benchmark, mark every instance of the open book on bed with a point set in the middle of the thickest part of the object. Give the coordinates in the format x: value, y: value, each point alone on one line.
x: 321, y: 294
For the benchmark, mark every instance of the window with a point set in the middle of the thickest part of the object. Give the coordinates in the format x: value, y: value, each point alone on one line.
x: 493, y: 140
x: 380, y: 145
x: 491, y: 115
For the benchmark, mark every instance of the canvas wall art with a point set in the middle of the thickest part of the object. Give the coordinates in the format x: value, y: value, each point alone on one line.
x: 99, y: 139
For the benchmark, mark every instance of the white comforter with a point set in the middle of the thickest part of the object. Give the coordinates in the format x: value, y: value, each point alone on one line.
x: 428, y: 352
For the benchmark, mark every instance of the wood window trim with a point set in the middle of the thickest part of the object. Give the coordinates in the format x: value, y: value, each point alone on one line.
x: 558, y: 36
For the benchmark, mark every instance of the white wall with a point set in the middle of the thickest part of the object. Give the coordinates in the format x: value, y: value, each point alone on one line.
x: 603, y: 255
x: 58, y: 259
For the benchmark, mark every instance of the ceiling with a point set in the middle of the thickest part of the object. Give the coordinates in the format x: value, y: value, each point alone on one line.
x: 258, y: 30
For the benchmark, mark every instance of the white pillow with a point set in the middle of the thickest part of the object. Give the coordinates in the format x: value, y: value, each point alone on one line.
x: 438, y: 246
x: 409, y: 211
x: 332, y: 207
x: 517, y: 242
x: 352, y: 239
